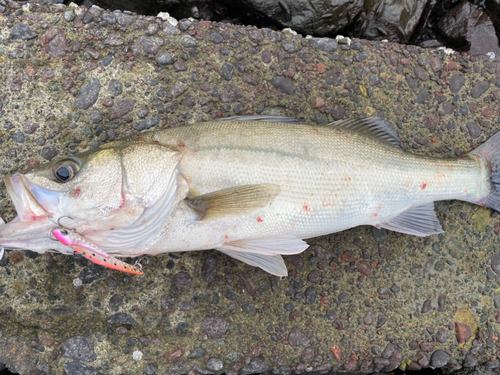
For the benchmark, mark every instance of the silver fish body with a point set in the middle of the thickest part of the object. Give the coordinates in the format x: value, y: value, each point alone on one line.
x: 275, y: 183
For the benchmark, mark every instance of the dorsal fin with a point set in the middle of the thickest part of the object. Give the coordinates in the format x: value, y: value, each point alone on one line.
x: 261, y: 118
x: 373, y: 127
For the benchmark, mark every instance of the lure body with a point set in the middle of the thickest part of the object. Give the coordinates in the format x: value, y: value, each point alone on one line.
x: 92, y: 252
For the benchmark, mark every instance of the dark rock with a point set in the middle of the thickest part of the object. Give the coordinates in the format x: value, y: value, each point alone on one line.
x: 421, y: 73
x: 78, y: 348
x: 122, y: 318
x: 121, y: 108
x: 150, y: 369
x: 422, y: 95
x: 49, y: 152
x: 441, y: 336
x: 188, y: 41
x: 441, y: 302
x: 196, y: 353
x: 77, y: 368
x: 307, y: 354
x: 283, y: 84
x: 183, y: 281
x: 456, y: 83
x: 150, y: 45
x: 463, y: 332
x: 423, y: 360
x: 209, y: 269
x: 297, y: 337
x: 247, y: 307
x: 165, y: 58
x: 124, y: 19
x: 18, y: 137
x: 310, y: 294
x: 289, y: 46
x: 492, y: 364
x: 467, y: 25
x: 146, y: 124
x: 470, y: 360
x: 115, y: 87
x: 474, y: 130
x: 479, y: 89
x: 21, y: 31
x: 230, y: 94
x: 215, y: 364
x: 256, y: 366
x: 215, y: 326
x: 325, y: 44
x: 226, y: 71
x: 439, y: 358
x: 334, y: 77
x: 215, y: 36
x: 53, y: 42
x: 115, y: 302
x: 89, y: 94
x: 411, y: 82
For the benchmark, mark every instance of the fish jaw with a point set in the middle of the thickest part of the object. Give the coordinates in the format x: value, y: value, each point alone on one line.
x: 27, y: 207
x: 30, y: 235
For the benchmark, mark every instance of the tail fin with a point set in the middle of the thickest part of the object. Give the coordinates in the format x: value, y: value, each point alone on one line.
x: 490, y: 152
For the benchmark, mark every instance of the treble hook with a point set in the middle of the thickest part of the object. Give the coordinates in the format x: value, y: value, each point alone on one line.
x: 59, y: 221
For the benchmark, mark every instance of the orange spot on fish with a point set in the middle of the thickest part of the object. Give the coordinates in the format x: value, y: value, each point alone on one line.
x: 423, y: 186
x: 140, y: 137
x: 374, y: 215
x: 306, y: 209
x: 156, y: 142
x: 226, y: 236
x: 77, y: 192
x: 181, y: 145
x: 465, y: 191
x: 259, y: 219
x: 347, y: 179
x: 316, y: 131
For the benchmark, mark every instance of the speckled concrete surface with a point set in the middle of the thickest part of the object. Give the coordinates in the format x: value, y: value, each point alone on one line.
x: 362, y: 300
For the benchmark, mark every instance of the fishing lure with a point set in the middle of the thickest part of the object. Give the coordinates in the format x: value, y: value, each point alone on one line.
x: 75, y: 240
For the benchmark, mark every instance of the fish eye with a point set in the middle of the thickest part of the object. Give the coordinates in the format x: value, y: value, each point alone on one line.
x: 65, y: 170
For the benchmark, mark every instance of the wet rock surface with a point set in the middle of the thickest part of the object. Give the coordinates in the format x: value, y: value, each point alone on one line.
x: 360, y: 300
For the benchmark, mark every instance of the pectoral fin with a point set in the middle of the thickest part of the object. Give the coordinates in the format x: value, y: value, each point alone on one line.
x: 418, y: 221
x: 233, y: 201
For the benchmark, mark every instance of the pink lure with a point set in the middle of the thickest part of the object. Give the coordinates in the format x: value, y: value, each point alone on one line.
x: 93, y: 253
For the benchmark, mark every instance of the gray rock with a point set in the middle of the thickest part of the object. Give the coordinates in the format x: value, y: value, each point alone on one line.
x: 188, y: 41
x: 226, y: 71
x: 122, y: 318
x: 196, y: 353
x: 283, y: 84
x: 209, y: 268
x: 474, y: 130
x: 77, y: 368
x: 215, y: 326
x: 256, y: 366
x: 297, y: 337
x: 165, y: 58
x: 215, y: 36
x: 21, y: 31
x: 115, y: 87
x: 289, y: 46
x: 479, y: 89
x: 89, y: 94
x: 49, y: 152
x: 146, y: 124
x: 79, y: 348
x: 470, y: 360
x: 215, y: 364
x: 325, y: 44
x: 439, y: 358
x: 69, y: 15
x: 456, y: 83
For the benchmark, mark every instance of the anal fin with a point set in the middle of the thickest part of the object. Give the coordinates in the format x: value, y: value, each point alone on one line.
x: 273, y: 264
x: 417, y: 221
x: 265, y: 252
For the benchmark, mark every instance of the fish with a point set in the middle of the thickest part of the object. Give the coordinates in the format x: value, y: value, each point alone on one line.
x: 251, y: 187
x: 76, y: 241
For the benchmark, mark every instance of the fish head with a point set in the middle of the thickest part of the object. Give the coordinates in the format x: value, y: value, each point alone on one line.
x: 100, y: 190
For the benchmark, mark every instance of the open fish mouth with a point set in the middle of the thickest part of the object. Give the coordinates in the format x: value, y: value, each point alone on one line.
x: 31, y: 228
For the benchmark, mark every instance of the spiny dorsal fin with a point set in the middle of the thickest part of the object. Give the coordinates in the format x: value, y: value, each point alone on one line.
x: 261, y: 118
x: 418, y: 221
x: 233, y: 201
x: 373, y: 127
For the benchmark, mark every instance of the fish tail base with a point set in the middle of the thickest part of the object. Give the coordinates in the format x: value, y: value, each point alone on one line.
x: 490, y: 152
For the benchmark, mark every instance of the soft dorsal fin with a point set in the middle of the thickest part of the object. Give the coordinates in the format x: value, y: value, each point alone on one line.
x: 373, y: 127
x: 418, y: 221
x: 261, y: 118
x: 233, y: 201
